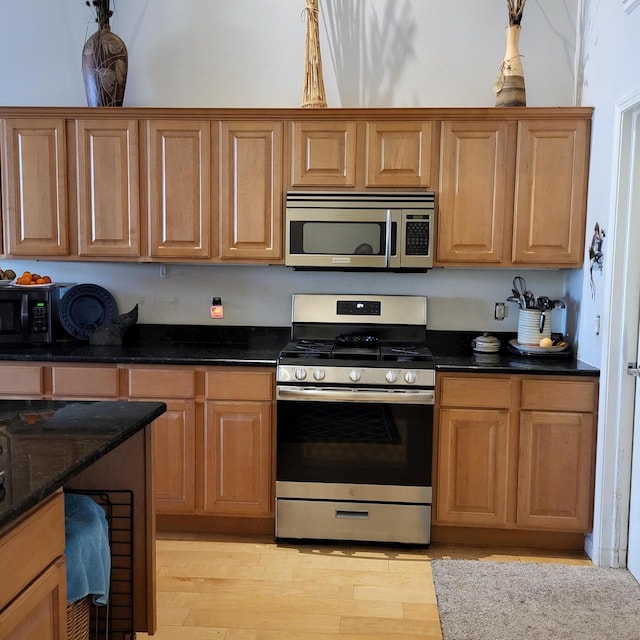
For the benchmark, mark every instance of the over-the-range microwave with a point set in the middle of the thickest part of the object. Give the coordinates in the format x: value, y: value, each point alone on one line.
x: 360, y: 230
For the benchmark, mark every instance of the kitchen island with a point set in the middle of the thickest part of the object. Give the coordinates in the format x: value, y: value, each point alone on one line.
x: 50, y: 446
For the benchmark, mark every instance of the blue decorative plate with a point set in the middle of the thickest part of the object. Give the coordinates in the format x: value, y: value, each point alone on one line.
x: 85, y: 307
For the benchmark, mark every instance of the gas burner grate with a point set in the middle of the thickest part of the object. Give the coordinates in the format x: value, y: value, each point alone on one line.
x: 406, y: 353
x: 307, y: 349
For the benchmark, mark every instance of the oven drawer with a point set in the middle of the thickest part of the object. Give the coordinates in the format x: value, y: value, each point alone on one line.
x: 362, y: 521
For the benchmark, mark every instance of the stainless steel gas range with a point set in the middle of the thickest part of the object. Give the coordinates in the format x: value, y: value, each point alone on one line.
x: 355, y: 393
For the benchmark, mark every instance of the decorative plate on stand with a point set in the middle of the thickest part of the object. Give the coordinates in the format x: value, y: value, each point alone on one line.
x: 84, y: 308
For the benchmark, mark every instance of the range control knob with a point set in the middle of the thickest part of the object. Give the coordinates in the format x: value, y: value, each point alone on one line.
x: 300, y: 374
x: 391, y: 376
x: 318, y: 374
x: 354, y: 375
x: 410, y: 377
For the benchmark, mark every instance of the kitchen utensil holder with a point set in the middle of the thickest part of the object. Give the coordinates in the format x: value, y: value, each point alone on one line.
x: 529, y: 326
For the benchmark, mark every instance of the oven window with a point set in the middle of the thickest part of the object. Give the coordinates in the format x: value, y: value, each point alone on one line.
x: 357, y: 443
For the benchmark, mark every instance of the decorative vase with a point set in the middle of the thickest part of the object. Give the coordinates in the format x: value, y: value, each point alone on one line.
x: 104, y: 68
x: 509, y: 86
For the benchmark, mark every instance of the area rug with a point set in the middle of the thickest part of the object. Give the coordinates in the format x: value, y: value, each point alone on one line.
x: 480, y: 600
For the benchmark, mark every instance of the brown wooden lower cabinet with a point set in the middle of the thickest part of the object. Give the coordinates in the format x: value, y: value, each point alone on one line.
x: 473, y: 466
x: 33, y: 599
x: 213, y: 446
x: 519, y: 455
x: 555, y: 470
x: 174, y: 449
x: 237, y: 458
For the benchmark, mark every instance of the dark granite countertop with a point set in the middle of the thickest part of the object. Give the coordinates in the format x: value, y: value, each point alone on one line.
x: 166, y: 344
x: 259, y: 346
x: 452, y: 352
x: 43, y: 444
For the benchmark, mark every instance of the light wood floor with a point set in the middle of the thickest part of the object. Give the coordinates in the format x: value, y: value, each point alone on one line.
x: 224, y: 587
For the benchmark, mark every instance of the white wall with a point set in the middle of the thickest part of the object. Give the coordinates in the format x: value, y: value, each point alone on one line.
x: 261, y: 296
x: 250, y: 53
x: 608, y: 70
x: 608, y: 73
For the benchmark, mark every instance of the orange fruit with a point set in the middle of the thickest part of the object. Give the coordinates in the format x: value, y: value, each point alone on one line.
x: 41, y: 281
x: 47, y: 279
x: 26, y: 275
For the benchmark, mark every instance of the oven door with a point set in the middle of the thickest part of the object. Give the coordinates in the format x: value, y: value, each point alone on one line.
x: 354, y: 436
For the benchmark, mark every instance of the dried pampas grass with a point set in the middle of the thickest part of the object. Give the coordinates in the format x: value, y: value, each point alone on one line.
x: 313, y: 96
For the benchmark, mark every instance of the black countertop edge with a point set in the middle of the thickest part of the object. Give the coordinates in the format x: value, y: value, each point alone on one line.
x: 546, y: 366
x: 140, y: 414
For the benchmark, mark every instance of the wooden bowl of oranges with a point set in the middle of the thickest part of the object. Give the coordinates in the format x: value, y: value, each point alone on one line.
x: 27, y: 278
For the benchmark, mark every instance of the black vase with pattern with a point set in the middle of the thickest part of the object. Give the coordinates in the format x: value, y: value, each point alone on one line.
x: 104, y: 68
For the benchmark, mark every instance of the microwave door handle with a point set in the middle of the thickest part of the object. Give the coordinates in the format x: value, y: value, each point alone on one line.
x: 24, y: 314
x: 387, y: 249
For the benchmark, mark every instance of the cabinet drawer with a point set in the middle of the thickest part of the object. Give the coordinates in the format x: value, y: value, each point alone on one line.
x: 239, y: 384
x: 475, y: 392
x: 559, y: 395
x: 162, y: 383
x: 100, y: 382
x: 30, y: 547
x: 23, y: 380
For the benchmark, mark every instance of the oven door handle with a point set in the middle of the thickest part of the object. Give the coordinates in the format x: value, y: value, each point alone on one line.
x: 319, y: 394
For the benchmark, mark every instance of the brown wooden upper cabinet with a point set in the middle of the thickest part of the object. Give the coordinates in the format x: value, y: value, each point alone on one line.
x: 550, y: 202
x: 475, y: 202
x: 34, y: 187
x: 358, y: 154
x: 401, y: 154
x: 323, y: 154
x: 105, y: 165
x: 251, y: 190
x: 180, y: 169
x: 513, y: 193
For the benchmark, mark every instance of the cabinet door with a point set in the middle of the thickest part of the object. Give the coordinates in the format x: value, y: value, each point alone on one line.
x: 41, y: 610
x: 323, y: 154
x: 550, y: 205
x: 237, y: 465
x: 180, y: 203
x: 174, y: 453
x: 555, y: 472
x: 473, y: 467
x: 476, y: 193
x: 401, y: 154
x: 34, y: 187
x: 107, y: 188
x: 251, y: 191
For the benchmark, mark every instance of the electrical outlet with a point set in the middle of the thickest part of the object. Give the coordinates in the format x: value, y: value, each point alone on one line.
x: 500, y: 311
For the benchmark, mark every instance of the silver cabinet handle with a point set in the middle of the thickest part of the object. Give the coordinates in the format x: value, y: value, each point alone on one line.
x: 633, y: 369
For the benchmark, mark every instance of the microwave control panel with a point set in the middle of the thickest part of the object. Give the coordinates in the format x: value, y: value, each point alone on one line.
x: 39, y: 317
x: 416, y: 237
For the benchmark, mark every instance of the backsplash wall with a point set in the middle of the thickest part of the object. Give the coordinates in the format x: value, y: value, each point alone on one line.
x: 459, y: 299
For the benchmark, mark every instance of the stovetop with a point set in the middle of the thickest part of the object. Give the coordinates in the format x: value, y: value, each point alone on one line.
x: 362, y: 348
x: 358, y: 340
